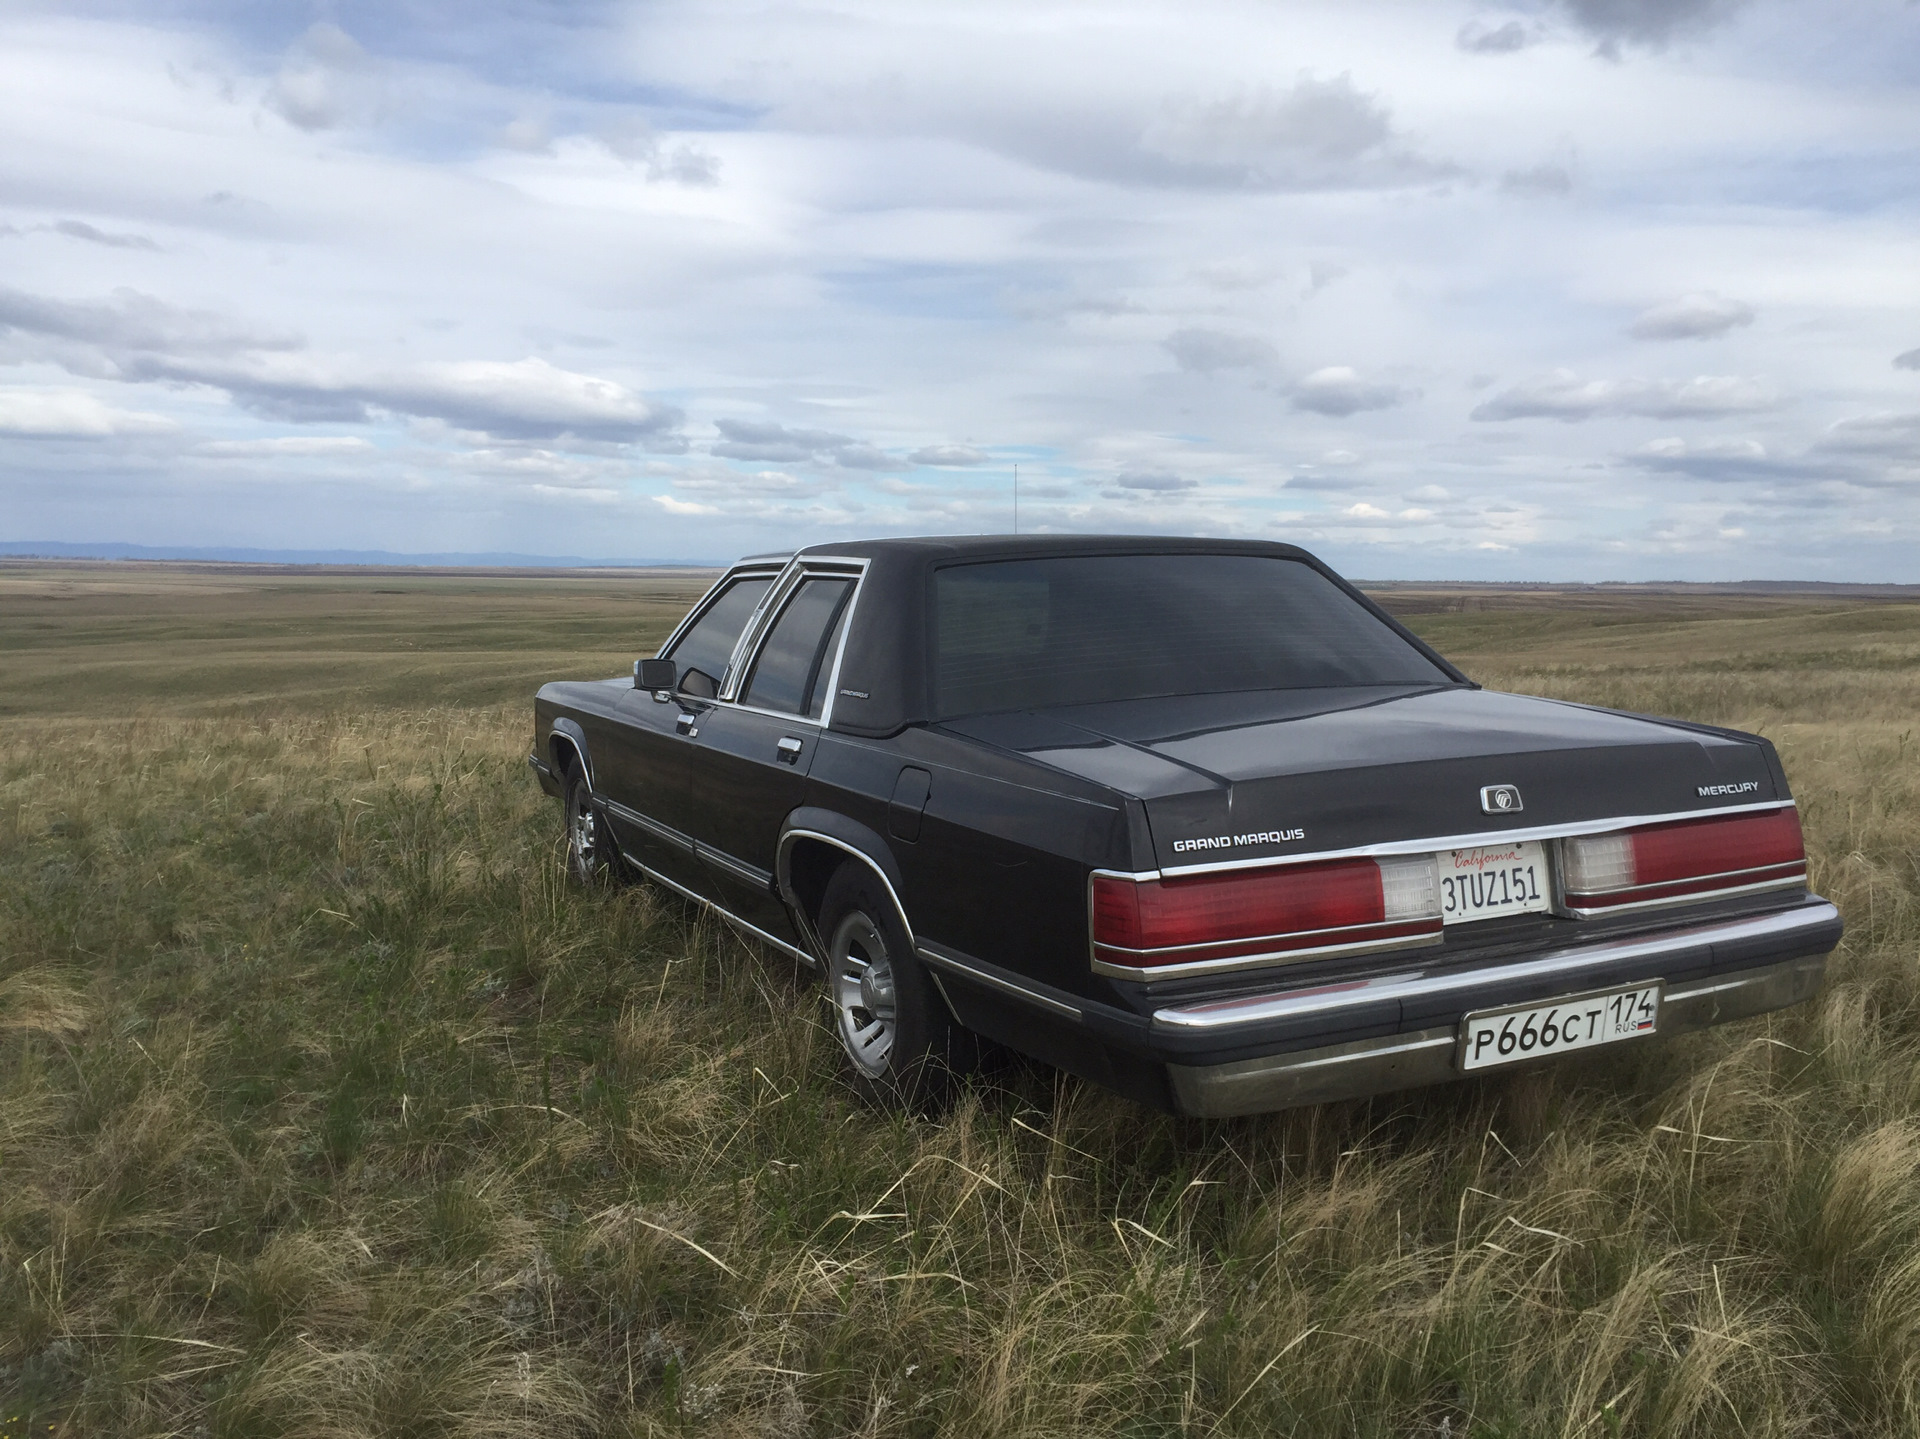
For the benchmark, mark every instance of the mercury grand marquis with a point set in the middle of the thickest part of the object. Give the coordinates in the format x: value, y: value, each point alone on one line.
x: 1195, y: 820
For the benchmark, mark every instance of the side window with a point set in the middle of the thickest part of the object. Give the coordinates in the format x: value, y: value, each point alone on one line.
x: 708, y: 645
x: 793, y: 661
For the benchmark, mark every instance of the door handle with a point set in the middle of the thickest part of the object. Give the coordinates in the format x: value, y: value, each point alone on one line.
x: 789, y: 750
x: 684, y: 723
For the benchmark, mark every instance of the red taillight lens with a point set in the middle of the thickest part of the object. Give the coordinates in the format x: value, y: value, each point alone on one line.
x: 1170, y: 925
x: 1679, y: 861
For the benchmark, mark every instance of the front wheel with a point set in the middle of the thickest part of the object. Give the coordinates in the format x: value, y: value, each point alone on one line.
x: 589, y: 852
x: 900, y: 1044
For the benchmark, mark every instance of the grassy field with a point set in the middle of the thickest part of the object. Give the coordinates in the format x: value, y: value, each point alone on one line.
x: 326, y: 1109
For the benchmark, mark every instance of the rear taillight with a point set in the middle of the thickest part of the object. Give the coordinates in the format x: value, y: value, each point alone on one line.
x: 1165, y: 927
x: 1665, y: 862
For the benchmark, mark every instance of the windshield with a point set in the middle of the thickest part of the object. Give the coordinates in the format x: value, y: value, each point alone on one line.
x: 1026, y: 634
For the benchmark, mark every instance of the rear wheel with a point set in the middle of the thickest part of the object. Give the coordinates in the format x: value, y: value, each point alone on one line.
x: 900, y: 1044
x: 589, y: 852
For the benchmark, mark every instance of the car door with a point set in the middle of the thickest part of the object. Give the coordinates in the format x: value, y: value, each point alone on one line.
x: 748, y: 757
x: 644, y: 773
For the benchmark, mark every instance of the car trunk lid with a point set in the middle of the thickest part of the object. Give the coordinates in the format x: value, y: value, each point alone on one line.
x: 1280, y: 773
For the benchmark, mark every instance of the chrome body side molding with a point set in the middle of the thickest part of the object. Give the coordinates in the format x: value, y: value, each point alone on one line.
x: 995, y: 978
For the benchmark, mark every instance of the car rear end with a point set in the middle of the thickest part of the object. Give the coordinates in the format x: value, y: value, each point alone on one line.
x: 1277, y: 984
x: 1354, y: 870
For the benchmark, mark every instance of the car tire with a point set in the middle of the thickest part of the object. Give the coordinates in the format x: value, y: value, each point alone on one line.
x: 900, y: 1047
x: 589, y: 852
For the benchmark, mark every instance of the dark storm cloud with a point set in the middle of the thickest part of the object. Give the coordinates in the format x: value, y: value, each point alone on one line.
x: 1908, y: 360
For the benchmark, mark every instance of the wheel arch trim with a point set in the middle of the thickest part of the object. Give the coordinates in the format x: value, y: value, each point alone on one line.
x: 568, y: 732
x: 849, y: 836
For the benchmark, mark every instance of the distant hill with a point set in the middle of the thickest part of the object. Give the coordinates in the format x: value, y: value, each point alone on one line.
x: 61, y: 550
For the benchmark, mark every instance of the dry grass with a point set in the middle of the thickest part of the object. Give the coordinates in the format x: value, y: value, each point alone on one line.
x: 326, y: 1110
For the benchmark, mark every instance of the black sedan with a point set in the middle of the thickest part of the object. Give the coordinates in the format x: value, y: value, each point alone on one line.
x: 1193, y: 819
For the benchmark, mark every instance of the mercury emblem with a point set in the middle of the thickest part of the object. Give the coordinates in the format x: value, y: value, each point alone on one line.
x: 1501, y: 799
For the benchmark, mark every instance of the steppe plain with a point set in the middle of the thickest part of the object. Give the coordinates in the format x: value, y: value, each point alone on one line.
x: 326, y: 1108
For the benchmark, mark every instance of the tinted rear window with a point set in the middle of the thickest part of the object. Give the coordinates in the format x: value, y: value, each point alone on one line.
x: 1022, y: 634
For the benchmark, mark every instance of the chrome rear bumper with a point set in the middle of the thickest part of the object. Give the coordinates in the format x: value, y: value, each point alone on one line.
x: 1791, y: 944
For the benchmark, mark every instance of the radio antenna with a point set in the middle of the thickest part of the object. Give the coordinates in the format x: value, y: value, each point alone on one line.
x: 1016, y: 498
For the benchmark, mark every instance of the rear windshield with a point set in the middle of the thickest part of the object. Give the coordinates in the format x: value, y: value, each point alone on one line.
x: 1023, y: 634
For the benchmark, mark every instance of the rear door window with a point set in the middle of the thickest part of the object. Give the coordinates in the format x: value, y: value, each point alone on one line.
x: 708, y: 645
x: 790, y: 674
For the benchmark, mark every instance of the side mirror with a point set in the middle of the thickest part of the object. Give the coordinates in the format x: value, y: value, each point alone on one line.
x: 655, y: 674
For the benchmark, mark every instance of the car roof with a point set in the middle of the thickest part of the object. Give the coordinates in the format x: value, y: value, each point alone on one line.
x: 935, y: 548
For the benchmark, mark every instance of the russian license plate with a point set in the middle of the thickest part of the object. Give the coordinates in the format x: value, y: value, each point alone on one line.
x: 1493, y: 879
x: 1507, y: 1036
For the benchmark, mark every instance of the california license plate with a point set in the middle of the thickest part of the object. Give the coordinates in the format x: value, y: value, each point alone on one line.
x: 1532, y: 1031
x: 1493, y: 879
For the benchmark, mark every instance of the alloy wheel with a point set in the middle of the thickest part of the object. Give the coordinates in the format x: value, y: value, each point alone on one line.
x: 861, y: 979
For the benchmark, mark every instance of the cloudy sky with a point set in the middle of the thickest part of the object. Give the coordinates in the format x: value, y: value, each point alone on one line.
x: 1559, y: 289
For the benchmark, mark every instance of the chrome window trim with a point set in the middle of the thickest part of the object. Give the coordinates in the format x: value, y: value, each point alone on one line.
x: 732, y: 572
x: 1564, y: 830
x: 747, y: 650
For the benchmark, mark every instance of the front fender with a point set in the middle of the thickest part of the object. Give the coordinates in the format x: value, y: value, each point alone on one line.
x: 576, y: 738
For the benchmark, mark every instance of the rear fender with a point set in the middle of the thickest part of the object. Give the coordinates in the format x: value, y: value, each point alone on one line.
x: 813, y: 844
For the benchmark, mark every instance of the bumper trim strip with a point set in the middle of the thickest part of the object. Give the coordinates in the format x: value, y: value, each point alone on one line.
x: 1230, y: 1014
x: 1364, y: 1067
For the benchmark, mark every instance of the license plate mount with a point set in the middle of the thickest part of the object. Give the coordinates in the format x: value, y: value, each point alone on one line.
x: 1540, y: 1030
x: 1491, y: 880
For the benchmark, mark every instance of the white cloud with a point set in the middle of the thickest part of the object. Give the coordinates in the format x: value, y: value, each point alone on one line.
x: 1207, y: 350
x: 1700, y: 316
x: 1478, y: 37
x: 954, y: 456
x: 870, y: 230
x: 1562, y: 395
x: 1340, y: 390
x: 1650, y: 24
x: 50, y: 414
x: 326, y: 80
x: 289, y: 446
